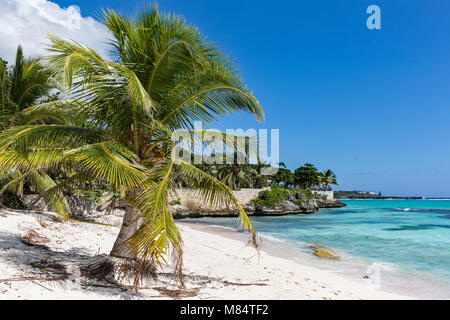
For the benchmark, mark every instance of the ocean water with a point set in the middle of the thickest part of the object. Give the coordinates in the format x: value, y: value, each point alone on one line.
x: 407, y: 240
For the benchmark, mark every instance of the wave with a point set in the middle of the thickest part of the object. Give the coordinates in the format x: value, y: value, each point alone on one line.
x: 423, y: 210
x: 272, y: 238
x: 225, y: 228
x: 385, y: 266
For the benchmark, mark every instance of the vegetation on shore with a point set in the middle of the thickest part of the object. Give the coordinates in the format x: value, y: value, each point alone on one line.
x: 369, y: 195
x: 237, y: 176
x: 305, y: 177
x: 275, y: 197
x: 357, y: 194
x: 296, y: 186
x: 271, y: 198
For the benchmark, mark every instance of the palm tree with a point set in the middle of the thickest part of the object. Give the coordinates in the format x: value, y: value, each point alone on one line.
x: 328, y: 178
x: 31, y: 80
x: 25, y: 84
x: 7, y: 106
x: 284, y: 176
x: 236, y: 175
x: 118, y: 126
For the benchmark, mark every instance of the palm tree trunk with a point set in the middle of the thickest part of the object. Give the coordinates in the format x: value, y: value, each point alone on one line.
x: 130, y: 225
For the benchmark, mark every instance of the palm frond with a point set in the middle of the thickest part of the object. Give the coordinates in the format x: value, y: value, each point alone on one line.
x: 30, y: 80
x: 69, y: 112
x: 208, y: 103
x: 111, y: 162
x: 212, y: 190
x: 51, y: 135
x: 56, y: 200
x: 16, y: 181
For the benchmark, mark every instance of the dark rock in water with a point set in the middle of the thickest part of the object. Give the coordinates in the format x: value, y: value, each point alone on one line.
x: 324, y: 253
x: 332, y: 203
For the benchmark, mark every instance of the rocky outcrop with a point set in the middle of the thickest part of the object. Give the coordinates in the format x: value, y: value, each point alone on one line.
x: 330, y: 203
x: 295, y: 204
x: 287, y: 207
x: 322, y: 252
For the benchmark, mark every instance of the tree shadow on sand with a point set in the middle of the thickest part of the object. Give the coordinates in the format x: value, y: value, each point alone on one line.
x: 76, y: 270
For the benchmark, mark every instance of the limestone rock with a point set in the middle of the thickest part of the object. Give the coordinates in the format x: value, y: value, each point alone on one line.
x: 324, y: 253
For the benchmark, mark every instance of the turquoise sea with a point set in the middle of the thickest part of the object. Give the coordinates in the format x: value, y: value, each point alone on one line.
x: 408, y: 239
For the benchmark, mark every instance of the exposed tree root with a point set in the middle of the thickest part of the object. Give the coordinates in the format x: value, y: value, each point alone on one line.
x: 118, y: 271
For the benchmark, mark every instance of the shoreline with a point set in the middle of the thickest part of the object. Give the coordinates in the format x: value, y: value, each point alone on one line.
x: 216, y: 266
x: 271, y: 255
x: 393, y: 280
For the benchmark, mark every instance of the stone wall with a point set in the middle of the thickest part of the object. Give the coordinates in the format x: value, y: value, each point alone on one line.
x: 191, y: 198
x: 329, y: 194
x: 80, y: 206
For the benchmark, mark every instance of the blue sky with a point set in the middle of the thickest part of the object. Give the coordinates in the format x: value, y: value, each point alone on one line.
x: 373, y: 105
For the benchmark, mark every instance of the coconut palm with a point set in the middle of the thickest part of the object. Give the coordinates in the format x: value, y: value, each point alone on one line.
x: 118, y: 126
x: 328, y: 178
x: 236, y: 175
x: 284, y: 176
x: 7, y: 106
x: 28, y: 82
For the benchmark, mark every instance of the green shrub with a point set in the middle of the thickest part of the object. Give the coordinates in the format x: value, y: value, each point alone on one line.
x: 307, y: 194
x: 271, y: 198
x: 175, y: 202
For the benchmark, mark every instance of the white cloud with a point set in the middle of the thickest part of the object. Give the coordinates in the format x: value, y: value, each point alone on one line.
x: 26, y: 22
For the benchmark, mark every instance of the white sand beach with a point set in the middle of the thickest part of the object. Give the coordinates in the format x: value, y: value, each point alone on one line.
x: 215, y: 267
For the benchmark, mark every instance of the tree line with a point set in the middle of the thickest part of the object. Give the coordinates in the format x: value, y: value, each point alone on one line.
x: 305, y: 177
x: 238, y: 176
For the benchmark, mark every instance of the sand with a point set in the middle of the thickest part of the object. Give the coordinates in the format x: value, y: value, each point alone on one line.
x: 215, y: 266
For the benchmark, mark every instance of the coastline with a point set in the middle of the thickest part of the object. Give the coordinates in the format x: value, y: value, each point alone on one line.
x: 392, y: 279
x: 215, y: 266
